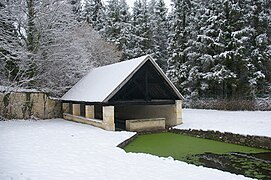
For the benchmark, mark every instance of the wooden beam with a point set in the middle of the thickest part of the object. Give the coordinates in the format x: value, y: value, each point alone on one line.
x: 142, y: 102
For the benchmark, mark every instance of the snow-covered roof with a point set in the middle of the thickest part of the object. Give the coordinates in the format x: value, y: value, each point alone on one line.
x: 101, y: 83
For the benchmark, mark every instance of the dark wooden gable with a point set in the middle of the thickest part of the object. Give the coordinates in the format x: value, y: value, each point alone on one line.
x: 146, y: 85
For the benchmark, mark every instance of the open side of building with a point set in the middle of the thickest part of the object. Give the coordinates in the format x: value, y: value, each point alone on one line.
x: 132, y: 95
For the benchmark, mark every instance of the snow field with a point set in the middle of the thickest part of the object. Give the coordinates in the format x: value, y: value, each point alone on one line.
x: 58, y: 149
x: 239, y: 122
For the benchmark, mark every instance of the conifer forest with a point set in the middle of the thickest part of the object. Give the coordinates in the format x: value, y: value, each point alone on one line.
x: 208, y: 48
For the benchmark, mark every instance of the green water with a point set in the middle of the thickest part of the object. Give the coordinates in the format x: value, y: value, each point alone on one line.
x: 208, y: 153
x: 179, y: 146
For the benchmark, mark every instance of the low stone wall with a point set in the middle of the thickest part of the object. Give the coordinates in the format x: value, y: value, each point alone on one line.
x: 25, y: 105
x: 171, y: 112
x: 80, y: 119
x: 145, y: 124
x: 259, y: 104
x: 252, y: 141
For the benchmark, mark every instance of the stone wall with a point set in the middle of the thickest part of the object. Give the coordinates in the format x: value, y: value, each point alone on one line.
x: 259, y: 104
x: 171, y: 112
x: 145, y: 124
x: 107, y: 121
x: 25, y: 105
x: 80, y: 119
x: 252, y: 141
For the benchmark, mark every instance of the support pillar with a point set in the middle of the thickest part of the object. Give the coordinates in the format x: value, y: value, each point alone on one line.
x: 76, y: 109
x: 90, y: 111
x: 65, y: 108
x: 178, y: 111
x: 108, y: 118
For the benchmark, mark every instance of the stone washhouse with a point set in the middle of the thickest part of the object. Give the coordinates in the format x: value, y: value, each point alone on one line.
x: 133, y: 95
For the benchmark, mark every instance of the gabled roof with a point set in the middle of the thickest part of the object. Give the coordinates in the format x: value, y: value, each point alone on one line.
x: 102, y: 83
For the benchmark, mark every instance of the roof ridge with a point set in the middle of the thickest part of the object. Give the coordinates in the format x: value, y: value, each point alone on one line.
x: 142, y: 58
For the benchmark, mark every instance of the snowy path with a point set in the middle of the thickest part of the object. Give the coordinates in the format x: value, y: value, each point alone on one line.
x: 62, y: 150
x: 240, y: 122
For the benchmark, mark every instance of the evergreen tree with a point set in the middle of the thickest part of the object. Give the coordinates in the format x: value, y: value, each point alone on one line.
x: 141, y: 32
x: 178, y: 66
x: 160, y: 29
x: 234, y: 37
x: 259, y: 19
x: 204, y: 48
x: 93, y: 12
x: 112, y: 24
x: 218, y: 48
x: 208, y: 50
x: 118, y: 26
x: 125, y: 38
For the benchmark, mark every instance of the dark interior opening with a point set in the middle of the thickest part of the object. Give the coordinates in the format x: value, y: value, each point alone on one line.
x: 82, y: 110
x: 70, y: 108
x: 146, y: 85
x: 98, y: 111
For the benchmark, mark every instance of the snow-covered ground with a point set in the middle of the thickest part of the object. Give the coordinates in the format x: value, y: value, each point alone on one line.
x: 62, y: 150
x: 240, y: 122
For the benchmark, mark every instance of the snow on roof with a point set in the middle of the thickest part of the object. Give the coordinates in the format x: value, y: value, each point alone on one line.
x: 100, y: 83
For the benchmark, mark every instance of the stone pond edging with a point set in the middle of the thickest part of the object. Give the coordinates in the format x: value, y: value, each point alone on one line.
x: 127, y: 141
x: 245, y: 140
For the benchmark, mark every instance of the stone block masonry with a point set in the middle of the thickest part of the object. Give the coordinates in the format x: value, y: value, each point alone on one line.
x: 26, y: 105
x: 245, y: 140
x: 108, y: 118
x: 76, y: 109
x: 90, y: 111
x: 140, y: 125
x: 106, y: 123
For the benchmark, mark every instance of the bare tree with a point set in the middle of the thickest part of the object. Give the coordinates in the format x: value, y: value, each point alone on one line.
x: 48, y: 47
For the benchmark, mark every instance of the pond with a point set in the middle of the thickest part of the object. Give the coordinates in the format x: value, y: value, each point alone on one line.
x: 251, y: 162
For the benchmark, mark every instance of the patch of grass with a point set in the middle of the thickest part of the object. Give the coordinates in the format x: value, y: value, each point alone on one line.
x: 180, y: 146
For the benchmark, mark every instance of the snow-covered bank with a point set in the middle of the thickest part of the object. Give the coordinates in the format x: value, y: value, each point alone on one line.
x: 58, y: 149
x: 239, y: 122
